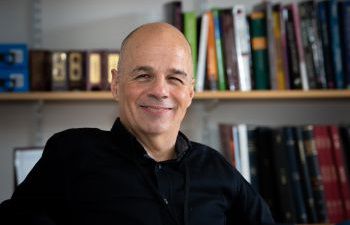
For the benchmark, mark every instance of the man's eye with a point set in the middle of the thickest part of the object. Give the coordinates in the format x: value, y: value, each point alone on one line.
x: 142, y: 76
x: 176, y: 80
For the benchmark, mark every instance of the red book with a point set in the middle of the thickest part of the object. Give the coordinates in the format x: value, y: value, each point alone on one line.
x: 329, y: 174
x: 343, y: 181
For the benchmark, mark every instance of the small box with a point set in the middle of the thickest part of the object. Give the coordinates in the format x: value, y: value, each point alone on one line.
x: 14, y: 80
x: 13, y: 56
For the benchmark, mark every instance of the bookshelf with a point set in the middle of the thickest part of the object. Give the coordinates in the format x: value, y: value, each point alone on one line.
x: 206, y: 95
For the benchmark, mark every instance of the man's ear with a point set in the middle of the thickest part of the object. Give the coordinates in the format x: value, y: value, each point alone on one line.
x: 192, y: 92
x: 114, y: 84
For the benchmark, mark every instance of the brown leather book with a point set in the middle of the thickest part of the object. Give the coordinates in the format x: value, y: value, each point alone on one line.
x: 59, y: 78
x: 76, y: 70
x: 39, y: 70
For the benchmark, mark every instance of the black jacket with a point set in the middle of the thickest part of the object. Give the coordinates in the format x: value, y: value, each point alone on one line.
x: 89, y: 176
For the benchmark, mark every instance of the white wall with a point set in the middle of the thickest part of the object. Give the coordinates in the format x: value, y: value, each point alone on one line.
x: 91, y: 24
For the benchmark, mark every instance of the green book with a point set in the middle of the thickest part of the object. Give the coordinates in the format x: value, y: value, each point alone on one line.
x: 190, y: 31
x: 259, y: 50
x: 219, y: 54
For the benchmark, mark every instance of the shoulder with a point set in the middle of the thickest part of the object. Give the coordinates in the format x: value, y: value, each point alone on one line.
x: 76, y: 140
x: 204, y: 155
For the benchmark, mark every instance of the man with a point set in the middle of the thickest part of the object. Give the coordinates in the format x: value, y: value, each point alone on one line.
x: 143, y: 171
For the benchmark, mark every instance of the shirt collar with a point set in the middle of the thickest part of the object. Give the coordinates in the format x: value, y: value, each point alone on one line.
x: 181, y: 146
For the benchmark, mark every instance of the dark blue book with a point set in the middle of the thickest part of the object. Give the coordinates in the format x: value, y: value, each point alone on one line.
x: 294, y: 174
x: 305, y: 179
x: 266, y: 170
x: 333, y: 20
x: 315, y: 174
x: 284, y: 183
x: 344, y: 26
x: 252, y: 149
x: 325, y: 42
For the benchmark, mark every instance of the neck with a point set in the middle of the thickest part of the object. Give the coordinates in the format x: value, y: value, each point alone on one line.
x: 158, y: 147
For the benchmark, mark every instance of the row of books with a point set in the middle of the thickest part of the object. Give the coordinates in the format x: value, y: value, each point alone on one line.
x: 44, y: 70
x: 303, y: 45
x: 71, y: 70
x: 301, y: 171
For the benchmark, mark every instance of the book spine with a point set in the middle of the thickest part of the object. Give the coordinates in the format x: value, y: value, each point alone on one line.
x: 294, y: 175
x: 326, y: 48
x: 299, y: 45
x: 259, y: 50
x: 212, y: 71
x: 339, y: 159
x: 219, y: 55
x: 203, y: 42
x: 279, y: 48
x: 39, y: 70
x: 305, y: 177
x: 252, y: 149
x: 286, y: 198
x: 306, y: 12
x: 344, y: 20
x: 237, y: 152
x: 328, y: 173
x: 59, y: 78
x: 315, y: 173
x: 190, y: 32
x: 335, y: 43
x: 242, y: 43
x: 229, y: 49
x: 243, y: 147
x: 226, y: 139
x: 293, y: 60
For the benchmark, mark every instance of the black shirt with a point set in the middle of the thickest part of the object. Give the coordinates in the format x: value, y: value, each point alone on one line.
x: 89, y: 176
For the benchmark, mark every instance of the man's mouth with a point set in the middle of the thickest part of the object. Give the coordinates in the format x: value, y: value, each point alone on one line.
x: 155, y: 107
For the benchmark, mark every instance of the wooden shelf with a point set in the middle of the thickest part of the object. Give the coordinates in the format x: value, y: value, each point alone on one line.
x: 207, y: 95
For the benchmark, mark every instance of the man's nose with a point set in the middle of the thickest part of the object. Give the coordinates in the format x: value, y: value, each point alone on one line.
x: 159, y: 88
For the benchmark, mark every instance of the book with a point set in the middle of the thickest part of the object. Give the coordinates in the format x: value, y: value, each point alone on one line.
x: 229, y: 50
x: 242, y: 44
x: 14, y: 80
x: 287, y: 205
x: 244, y: 152
x: 173, y: 14
x: 328, y: 172
x: 311, y: 45
x: 110, y: 60
x: 305, y: 179
x: 315, y: 173
x: 58, y: 71
x: 340, y: 166
x: 202, y: 53
x: 289, y: 140
x: 280, y: 48
x: 212, y: 71
x: 76, y: 70
x: 321, y: 12
x: 253, y: 164
x: 190, y: 32
x: 333, y: 20
x: 39, y: 70
x: 266, y: 8
x: 344, y: 27
x: 227, y: 145
x: 219, y: 54
x: 94, y: 75
x: 259, y: 51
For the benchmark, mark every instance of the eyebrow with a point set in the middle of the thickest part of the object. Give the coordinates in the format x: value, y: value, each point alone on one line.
x: 150, y: 70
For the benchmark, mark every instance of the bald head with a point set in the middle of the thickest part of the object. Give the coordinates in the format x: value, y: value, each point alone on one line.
x: 153, y: 32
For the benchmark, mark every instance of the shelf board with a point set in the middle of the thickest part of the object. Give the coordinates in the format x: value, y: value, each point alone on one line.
x: 207, y: 95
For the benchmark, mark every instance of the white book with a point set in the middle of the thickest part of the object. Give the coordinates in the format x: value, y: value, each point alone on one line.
x: 244, y: 151
x: 242, y: 42
x: 202, y: 53
x: 237, y: 151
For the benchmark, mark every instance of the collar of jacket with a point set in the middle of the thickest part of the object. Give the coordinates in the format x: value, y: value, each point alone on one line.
x: 124, y: 137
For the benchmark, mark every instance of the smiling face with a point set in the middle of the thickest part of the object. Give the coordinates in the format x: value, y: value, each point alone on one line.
x: 154, y: 84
